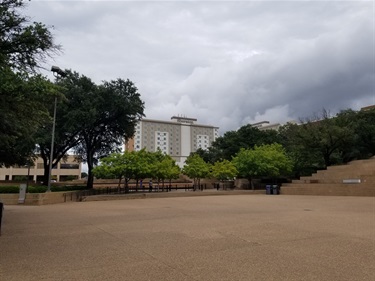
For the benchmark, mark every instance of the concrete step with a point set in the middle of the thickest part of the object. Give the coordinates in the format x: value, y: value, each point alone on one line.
x: 329, y: 190
x: 331, y: 180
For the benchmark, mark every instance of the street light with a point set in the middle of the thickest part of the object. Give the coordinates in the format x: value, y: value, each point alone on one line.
x: 58, y: 72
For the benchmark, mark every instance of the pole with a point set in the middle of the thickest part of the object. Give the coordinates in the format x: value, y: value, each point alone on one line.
x: 52, y: 143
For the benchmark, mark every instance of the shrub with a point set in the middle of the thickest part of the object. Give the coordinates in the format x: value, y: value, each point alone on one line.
x: 9, y: 189
x: 36, y: 189
x: 41, y: 189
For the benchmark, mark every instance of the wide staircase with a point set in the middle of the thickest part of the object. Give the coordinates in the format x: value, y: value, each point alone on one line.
x: 357, y: 178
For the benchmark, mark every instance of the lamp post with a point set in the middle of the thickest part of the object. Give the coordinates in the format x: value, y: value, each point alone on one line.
x: 57, y: 71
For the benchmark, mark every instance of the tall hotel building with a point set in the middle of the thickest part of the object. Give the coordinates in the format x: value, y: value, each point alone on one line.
x: 177, y: 138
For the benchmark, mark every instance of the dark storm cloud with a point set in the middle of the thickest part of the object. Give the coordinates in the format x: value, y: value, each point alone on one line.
x: 225, y: 63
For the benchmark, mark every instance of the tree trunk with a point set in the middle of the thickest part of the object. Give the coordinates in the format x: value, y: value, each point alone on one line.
x: 90, y: 176
x: 251, y: 183
x: 46, y: 173
x: 126, y: 185
x: 119, y: 185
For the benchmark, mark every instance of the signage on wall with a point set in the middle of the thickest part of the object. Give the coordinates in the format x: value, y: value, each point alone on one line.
x: 22, y: 194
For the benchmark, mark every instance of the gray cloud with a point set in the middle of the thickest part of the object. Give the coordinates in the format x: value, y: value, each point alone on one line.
x: 225, y: 63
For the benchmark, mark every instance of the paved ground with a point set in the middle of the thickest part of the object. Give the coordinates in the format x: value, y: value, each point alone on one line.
x: 234, y: 237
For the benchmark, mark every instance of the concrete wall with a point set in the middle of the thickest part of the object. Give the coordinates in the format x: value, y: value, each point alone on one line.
x: 332, y: 181
x: 40, y: 198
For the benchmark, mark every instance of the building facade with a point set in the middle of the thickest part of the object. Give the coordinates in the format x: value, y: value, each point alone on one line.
x: 177, y: 138
x: 265, y: 125
x: 65, y: 170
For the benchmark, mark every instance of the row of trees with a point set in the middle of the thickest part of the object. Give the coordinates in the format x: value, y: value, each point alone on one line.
x: 268, y: 160
x: 262, y: 161
x: 91, y: 120
x: 316, y: 143
x: 138, y: 165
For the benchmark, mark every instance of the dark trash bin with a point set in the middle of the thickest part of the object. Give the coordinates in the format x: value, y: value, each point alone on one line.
x: 276, y: 189
x: 1, y: 213
x: 268, y: 189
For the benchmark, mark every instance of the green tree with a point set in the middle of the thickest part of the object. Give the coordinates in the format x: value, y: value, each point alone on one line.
x: 164, y: 168
x: 114, y: 111
x: 117, y: 165
x: 23, y: 45
x: 74, y: 108
x: 224, y: 170
x: 305, y: 161
x: 247, y: 136
x: 196, y: 169
x: 23, y: 109
x: 362, y: 126
x: 324, y: 137
x: 268, y: 160
x: 365, y: 132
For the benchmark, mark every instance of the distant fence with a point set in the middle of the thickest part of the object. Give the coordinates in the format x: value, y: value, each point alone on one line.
x: 77, y: 196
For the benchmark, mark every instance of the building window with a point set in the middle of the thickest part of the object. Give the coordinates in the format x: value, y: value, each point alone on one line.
x: 69, y: 166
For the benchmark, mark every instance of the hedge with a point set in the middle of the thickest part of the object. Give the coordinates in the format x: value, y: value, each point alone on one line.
x: 41, y: 189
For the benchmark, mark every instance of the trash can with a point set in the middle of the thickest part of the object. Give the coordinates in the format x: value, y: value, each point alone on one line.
x: 1, y: 213
x: 275, y: 189
x: 268, y: 189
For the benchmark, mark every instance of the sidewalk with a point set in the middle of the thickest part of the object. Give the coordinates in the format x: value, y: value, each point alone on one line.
x: 206, y: 238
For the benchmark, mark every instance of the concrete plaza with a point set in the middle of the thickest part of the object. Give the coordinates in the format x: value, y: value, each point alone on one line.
x: 231, y: 237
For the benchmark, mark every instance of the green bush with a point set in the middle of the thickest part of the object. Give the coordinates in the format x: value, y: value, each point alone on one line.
x: 41, y: 189
x: 36, y: 189
x: 9, y: 189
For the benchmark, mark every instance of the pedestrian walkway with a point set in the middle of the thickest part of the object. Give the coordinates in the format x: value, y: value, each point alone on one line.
x: 207, y: 238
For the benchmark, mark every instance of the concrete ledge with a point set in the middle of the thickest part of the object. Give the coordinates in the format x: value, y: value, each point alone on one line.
x: 37, y: 199
x: 106, y: 197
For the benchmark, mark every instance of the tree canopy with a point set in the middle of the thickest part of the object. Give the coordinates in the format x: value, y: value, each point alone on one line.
x: 23, y: 97
x: 196, y: 168
x: 23, y: 109
x: 115, y: 108
x: 269, y: 160
x: 231, y: 142
x: 24, y: 46
x: 224, y: 170
x: 137, y: 165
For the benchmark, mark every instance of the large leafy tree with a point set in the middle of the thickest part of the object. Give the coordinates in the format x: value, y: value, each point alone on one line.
x: 224, y: 170
x: 365, y: 131
x: 196, y: 168
x: 115, y: 109
x: 305, y: 161
x: 320, y: 141
x: 362, y: 126
x: 247, y: 136
x: 268, y: 160
x: 23, y: 109
x: 74, y: 107
x: 23, y: 45
x: 164, y: 167
x: 142, y: 165
x: 117, y: 165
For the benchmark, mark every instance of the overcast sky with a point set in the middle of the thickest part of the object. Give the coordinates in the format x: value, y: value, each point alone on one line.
x: 226, y: 63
